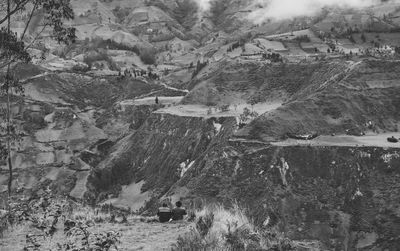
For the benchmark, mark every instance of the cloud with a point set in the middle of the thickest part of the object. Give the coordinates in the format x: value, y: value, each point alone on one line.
x: 204, y: 4
x: 286, y: 9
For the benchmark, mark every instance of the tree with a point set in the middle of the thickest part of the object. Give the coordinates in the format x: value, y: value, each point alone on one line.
x: 186, y: 13
x: 363, y: 38
x: 14, y: 49
x: 148, y: 56
x: 253, y: 101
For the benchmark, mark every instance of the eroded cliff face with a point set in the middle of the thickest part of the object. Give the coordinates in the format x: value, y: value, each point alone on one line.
x: 347, y: 197
x: 159, y: 154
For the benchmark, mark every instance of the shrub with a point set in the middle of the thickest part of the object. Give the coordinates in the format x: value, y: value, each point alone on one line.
x: 100, y: 56
x: 204, y: 224
x: 190, y: 241
x: 224, y: 108
x: 220, y: 229
x: 363, y: 38
x: 247, y: 116
x: 148, y: 56
x: 80, y: 68
x: 199, y: 67
x: 303, y: 39
x: 111, y: 44
x: 121, y: 13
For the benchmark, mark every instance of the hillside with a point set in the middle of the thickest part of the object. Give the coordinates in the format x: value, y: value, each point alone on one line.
x: 286, y: 124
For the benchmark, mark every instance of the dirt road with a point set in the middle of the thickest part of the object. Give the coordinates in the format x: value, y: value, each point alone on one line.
x: 376, y: 140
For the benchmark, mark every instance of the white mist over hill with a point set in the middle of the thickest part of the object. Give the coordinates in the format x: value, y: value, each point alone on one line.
x: 204, y: 4
x: 287, y: 9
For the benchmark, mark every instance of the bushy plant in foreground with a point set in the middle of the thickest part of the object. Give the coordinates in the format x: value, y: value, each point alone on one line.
x: 220, y: 229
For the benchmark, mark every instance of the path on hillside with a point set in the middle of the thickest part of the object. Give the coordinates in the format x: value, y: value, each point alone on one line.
x: 35, y: 77
x: 173, y: 88
x: 196, y: 110
x: 337, y: 77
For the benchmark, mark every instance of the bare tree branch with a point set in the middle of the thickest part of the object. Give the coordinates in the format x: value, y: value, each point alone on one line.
x: 10, y: 12
x: 30, y: 19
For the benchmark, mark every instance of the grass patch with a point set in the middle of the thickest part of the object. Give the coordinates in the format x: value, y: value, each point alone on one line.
x: 220, y: 229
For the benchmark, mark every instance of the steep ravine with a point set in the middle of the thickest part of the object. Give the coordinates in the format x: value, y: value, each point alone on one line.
x: 346, y: 197
x: 158, y: 153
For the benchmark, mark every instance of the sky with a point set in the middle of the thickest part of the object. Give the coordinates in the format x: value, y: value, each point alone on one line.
x: 286, y: 9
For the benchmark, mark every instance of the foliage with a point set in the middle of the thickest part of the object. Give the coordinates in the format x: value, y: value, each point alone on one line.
x: 80, y: 238
x: 363, y: 38
x: 274, y: 57
x: 112, y: 45
x: 186, y: 13
x: 234, y: 46
x: 199, y: 67
x: 13, y: 49
x: 41, y: 218
x: 148, y: 56
x: 204, y: 223
x: 121, y: 13
x: 224, y: 108
x: 56, y: 12
x: 247, y: 115
x: 303, y: 39
x: 218, y: 228
x: 80, y: 68
x: 190, y: 241
x: 100, y: 55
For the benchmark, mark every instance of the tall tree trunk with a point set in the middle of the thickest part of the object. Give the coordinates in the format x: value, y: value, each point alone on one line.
x: 10, y: 168
x: 8, y: 89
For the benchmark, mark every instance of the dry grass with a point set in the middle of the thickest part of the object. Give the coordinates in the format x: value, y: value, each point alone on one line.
x: 84, y: 228
x: 220, y: 229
